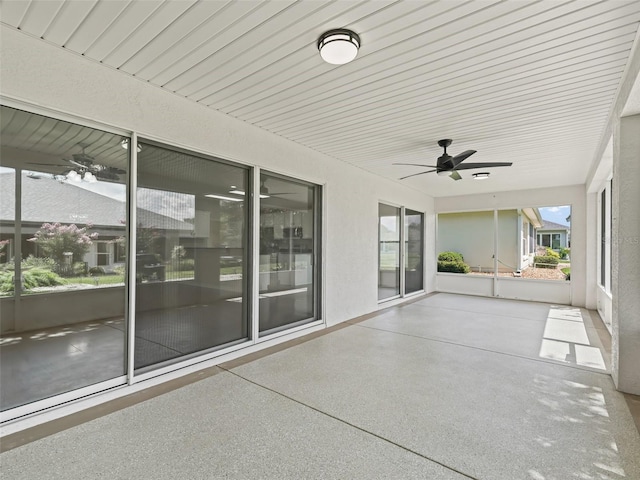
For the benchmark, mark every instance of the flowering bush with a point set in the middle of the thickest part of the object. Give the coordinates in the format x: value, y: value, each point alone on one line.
x: 3, y: 243
x: 55, y: 239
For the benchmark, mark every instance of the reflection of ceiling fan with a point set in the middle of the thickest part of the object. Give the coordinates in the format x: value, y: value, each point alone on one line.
x: 448, y: 165
x: 266, y: 193
x: 85, y: 168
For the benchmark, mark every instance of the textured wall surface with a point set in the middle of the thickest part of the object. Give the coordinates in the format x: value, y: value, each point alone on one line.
x: 625, y: 263
x: 47, y: 76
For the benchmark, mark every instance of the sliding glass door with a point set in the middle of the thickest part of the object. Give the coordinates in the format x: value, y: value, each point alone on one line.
x: 413, y: 251
x: 400, y: 270
x: 289, y: 253
x: 388, y: 251
x: 191, y: 254
x: 62, y: 287
x: 123, y: 258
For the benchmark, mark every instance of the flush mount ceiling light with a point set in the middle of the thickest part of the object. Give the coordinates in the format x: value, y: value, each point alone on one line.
x: 125, y: 144
x: 481, y: 175
x: 338, y: 46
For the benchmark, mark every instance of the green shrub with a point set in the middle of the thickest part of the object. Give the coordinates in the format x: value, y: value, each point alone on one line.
x: 119, y: 270
x: 35, y: 277
x: 453, y: 267
x: 545, y: 261
x: 450, y: 257
x: 45, y: 263
x: 39, y: 277
x: 564, y: 253
x: 95, y: 271
x: 181, y: 265
x: 80, y: 269
x: 567, y: 272
x: 6, y: 282
x: 552, y: 253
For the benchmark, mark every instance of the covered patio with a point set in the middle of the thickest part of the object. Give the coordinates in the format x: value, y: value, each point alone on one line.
x: 444, y: 387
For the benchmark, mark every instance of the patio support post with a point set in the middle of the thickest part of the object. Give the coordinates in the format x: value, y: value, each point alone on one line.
x: 626, y: 256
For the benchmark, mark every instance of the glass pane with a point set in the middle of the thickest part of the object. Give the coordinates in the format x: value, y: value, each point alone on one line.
x: 466, y: 243
x: 603, y: 237
x: 191, y: 255
x: 413, y: 251
x: 288, y: 246
x: 64, y: 328
x: 511, y: 241
x: 552, y: 259
x: 388, y: 251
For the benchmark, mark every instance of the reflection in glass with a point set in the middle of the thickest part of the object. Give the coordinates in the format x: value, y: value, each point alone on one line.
x: 288, y: 251
x: 191, y: 255
x: 413, y: 248
x: 62, y: 293
x: 389, y: 251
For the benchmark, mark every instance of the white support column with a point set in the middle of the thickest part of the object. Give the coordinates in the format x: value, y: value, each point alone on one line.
x: 626, y: 256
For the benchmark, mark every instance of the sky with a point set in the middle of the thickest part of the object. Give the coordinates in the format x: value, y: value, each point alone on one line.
x: 556, y: 214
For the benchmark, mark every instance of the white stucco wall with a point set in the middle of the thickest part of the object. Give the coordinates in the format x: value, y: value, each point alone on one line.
x: 543, y: 197
x: 50, y: 77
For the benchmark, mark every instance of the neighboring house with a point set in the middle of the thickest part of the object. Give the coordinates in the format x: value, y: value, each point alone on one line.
x: 554, y: 235
x: 472, y: 235
x: 45, y: 200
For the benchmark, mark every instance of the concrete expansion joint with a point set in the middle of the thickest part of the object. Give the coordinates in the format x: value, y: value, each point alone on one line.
x: 349, y: 424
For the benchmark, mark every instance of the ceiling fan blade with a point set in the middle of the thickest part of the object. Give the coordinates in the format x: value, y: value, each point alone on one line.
x: 416, y: 165
x: 458, y: 159
x: 483, y: 165
x: 455, y: 175
x: 413, y: 175
x: 48, y: 164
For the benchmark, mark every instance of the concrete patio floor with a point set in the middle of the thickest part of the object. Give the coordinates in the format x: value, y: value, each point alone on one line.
x: 446, y: 387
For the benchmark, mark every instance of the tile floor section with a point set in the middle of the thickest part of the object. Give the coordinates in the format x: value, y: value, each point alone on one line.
x: 447, y: 387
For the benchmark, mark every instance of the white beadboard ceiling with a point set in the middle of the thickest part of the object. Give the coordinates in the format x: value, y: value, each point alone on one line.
x: 531, y: 82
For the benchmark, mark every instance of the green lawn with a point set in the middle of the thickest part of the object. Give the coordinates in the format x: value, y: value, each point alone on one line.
x: 97, y: 280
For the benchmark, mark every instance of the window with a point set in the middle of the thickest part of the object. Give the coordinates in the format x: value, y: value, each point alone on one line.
x: 103, y: 253
x: 604, y: 234
x: 413, y: 251
x: 191, y: 255
x: 289, y: 253
x: 388, y: 251
x: 399, y: 226
x: 63, y: 190
x: 74, y: 242
x: 603, y: 237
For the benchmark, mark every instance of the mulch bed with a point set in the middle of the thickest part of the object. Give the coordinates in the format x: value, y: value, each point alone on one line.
x: 535, y: 273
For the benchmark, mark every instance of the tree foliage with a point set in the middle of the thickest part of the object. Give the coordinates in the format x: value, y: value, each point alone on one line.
x: 56, y: 239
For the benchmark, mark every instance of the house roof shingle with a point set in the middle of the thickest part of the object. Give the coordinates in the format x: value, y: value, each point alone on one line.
x: 47, y: 200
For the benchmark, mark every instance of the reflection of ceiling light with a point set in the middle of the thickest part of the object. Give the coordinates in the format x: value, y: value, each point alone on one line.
x: 222, y: 197
x: 241, y: 192
x: 338, y: 46
x: 481, y: 175
x: 78, y: 177
x: 125, y: 144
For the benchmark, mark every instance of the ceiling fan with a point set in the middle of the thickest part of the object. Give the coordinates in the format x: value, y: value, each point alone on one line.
x: 266, y: 193
x: 448, y: 165
x: 85, y: 168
